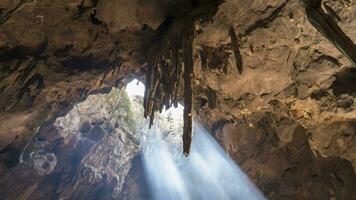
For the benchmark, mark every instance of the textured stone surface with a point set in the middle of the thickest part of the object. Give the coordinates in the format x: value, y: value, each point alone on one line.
x: 288, y: 69
x: 292, y: 106
x: 285, y: 166
x: 53, y: 54
x: 86, y: 154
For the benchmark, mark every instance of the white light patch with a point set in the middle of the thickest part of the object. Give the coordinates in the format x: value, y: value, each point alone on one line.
x: 135, y: 88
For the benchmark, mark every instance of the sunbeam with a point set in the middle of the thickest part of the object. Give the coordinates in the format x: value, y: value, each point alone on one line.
x: 208, y: 173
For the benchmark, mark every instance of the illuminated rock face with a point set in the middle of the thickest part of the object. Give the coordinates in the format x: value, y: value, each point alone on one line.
x: 53, y: 54
x: 86, y: 154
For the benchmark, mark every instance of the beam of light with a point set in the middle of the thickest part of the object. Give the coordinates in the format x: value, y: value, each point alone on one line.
x: 162, y: 169
x: 213, y: 173
x: 207, y: 174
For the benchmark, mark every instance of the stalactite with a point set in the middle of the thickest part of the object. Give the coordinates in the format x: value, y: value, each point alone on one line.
x: 177, y: 78
x: 172, y: 60
x: 329, y: 28
x: 188, y: 90
x: 236, y: 50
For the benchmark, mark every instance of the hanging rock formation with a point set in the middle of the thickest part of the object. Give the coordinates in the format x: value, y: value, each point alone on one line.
x: 327, y: 26
x: 172, y: 61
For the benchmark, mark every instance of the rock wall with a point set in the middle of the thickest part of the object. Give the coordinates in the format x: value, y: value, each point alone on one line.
x: 264, y: 79
x: 53, y: 54
x: 274, y: 151
x: 289, y: 118
x: 86, y: 154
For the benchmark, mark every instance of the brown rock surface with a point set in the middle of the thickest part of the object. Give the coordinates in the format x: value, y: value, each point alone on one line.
x: 286, y: 168
x: 288, y: 69
x: 288, y: 119
x: 86, y: 154
x: 53, y: 56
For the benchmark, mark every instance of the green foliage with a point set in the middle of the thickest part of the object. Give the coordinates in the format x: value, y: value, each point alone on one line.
x: 128, y: 118
x: 122, y: 113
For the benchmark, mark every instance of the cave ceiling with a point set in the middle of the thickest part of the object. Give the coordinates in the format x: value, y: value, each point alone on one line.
x: 281, y: 70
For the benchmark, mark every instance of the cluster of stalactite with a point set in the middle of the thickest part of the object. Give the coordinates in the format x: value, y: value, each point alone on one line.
x: 170, y: 62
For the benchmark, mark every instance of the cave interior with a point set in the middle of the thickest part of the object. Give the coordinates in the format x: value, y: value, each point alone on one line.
x: 178, y: 99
